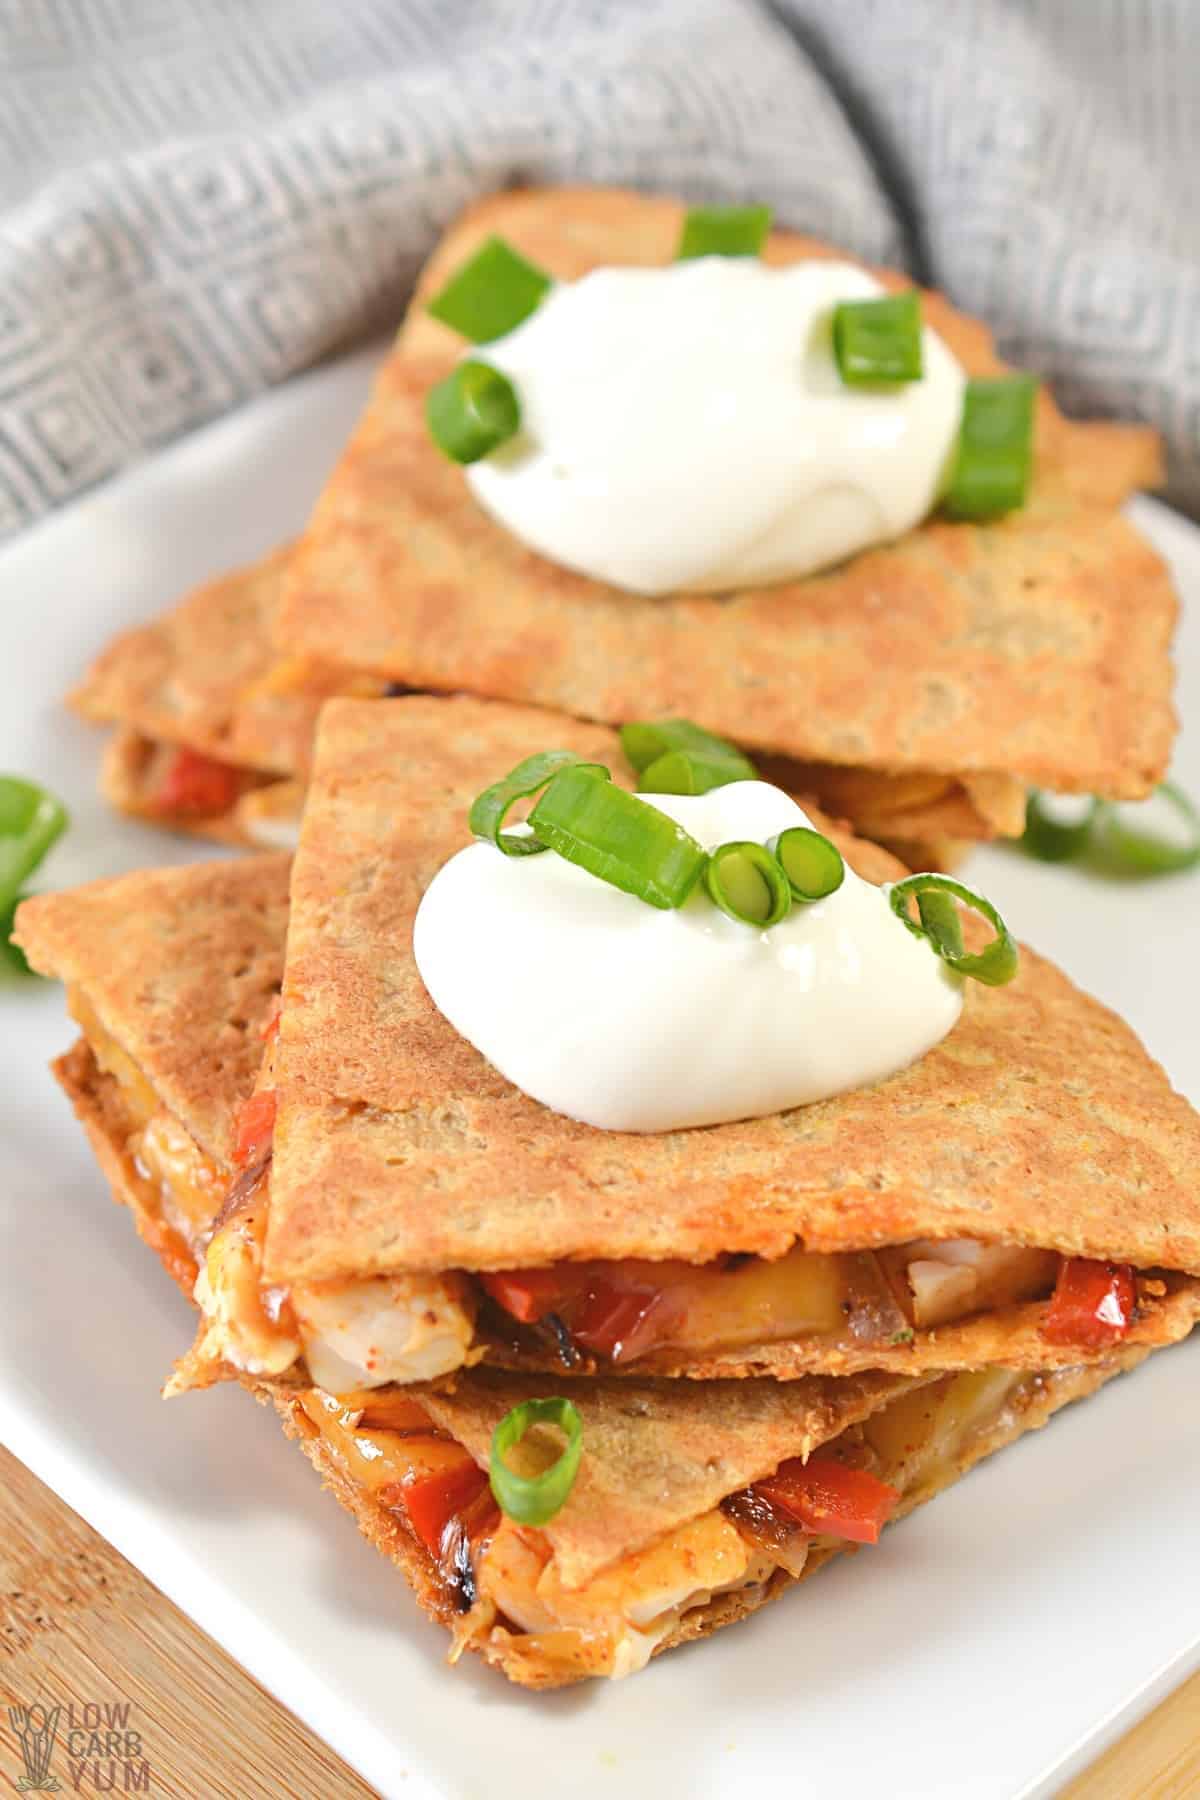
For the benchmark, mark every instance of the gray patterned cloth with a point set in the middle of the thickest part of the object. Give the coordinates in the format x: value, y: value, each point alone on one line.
x: 200, y: 197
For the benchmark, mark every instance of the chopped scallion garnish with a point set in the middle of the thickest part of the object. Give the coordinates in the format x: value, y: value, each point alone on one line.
x: 939, y: 926
x: 13, y: 960
x: 994, y: 457
x: 813, y: 865
x: 535, y: 1499
x: 1135, y: 850
x: 878, y: 342
x: 489, y: 811
x: 617, y: 837
x: 645, y: 740
x: 1113, y: 836
x: 724, y: 231
x: 31, y: 822
x: 472, y: 411
x: 748, y: 884
x: 1049, y: 835
x: 693, y: 772
x: 491, y: 294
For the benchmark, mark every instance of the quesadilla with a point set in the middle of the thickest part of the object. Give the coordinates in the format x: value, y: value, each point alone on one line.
x: 209, y: 739
x: 972, y: 658
x: 694, y: 1502
x: 214, y: 735
x: 1022, y: 1195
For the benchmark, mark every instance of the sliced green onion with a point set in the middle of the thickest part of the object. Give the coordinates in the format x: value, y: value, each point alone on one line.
x: 693, y: 772
x: 491, y: 294
x: 724, y: 231
x: 31, y: 820
x: 489, y: 811
x: 939, y: 915
x: 994, y: 457
x: 878, y: 342
x: 813, y: 865
x: 13, y: 960
x: 645, y: 740
x: 747, y: 882
x: 617, y: 837
x: 535, y: 1499
x: 1144, y: 852
x: 993, y: 965
x: 1052, y: 838
x: 473, y: 411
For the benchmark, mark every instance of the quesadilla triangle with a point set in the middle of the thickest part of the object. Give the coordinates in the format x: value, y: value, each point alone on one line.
x: 1020, y: 1196
x: 213, y: 736
x: 1029, y: 649
x: 694, y: 1502
x: 172, y: 976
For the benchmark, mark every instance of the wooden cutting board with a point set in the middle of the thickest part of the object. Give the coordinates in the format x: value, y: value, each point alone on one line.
x: 149, y: 1693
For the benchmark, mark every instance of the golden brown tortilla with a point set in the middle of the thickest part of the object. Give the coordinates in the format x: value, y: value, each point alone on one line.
x: 199, y: 675
x: 206, y: 675
x: 1040, y: 1120
x: 1035, y: 647
x: 180, y: 968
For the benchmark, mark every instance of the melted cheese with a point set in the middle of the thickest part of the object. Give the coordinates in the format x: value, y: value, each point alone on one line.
x: 190, y: 1185
x: 249, y: 1326
x: 140, y: 1098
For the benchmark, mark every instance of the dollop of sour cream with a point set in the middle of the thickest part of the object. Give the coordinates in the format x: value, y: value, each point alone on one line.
x: 632, y: 1019
x: 686, y: 428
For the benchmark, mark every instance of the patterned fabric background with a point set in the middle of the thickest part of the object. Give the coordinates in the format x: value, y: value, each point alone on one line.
x: 199, y: 197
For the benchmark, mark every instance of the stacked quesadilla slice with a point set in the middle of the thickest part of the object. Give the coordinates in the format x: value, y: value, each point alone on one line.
x: 695, y: 1501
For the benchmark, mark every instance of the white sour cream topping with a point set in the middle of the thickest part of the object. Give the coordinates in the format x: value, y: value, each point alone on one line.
x: 686, y: 428
x: 632, y: 1019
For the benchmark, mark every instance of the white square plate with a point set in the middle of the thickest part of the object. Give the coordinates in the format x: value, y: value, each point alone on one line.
x: 991, y: 1645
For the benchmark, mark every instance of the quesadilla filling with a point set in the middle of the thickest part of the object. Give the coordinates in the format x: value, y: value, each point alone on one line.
x: 503, y: 1581
x: 177, y: 785
x: 360, y: 1333
x: 371, y: 1331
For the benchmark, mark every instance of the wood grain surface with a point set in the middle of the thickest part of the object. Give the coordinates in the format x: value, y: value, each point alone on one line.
x: 80, y: 1627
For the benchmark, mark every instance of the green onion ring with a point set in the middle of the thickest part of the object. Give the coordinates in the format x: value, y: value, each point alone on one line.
x: 994, y: 965
x: 878, y: 342
x: 723, y: 231
x: 1051, y: 839
x: 812, y: 863
x: 13, y: 960
x: 617, y: 837
x: 645, y: 740
x: 31, y: 820
x: 693, y: 772
x: 534, y: 1500
x: 1138, y: 852
x: 472, y: 412
x: 993, y: 460
x: 490, y: 295
x: 490, y: 809
x: 748, y: 884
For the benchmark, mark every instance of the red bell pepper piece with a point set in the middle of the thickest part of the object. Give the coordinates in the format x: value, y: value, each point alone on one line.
x: 622, y: 1323
x: 529, y: 1294
x: 255, y: 1128
x: 831, y: 1499
x: 198, y: 786
x: 432, y: 1502
x: 1092, y: 1304
x: 270, y: 1025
